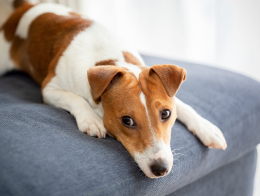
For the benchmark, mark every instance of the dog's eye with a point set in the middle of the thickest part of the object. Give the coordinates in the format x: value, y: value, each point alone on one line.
x: 165, y: 114
x: 128, y: 121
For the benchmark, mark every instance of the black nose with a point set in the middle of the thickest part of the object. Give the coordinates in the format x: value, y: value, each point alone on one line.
x: 159, y: 167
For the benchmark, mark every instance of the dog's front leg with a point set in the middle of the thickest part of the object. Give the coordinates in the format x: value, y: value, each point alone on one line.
x: 208, y: 133
x: 87, y: 120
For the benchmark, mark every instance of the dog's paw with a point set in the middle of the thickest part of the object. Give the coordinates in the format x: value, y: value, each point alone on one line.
x: 209, y: 134
x: 92, y: 125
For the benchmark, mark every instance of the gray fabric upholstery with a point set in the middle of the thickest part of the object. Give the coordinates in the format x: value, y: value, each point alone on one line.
x: 43, y: 153
x: 236, y: 178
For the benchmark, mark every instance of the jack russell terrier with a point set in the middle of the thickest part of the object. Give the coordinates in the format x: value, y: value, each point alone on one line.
x: 85, y: 69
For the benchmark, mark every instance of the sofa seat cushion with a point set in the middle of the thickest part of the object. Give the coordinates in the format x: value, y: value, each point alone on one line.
x: 43, y: 153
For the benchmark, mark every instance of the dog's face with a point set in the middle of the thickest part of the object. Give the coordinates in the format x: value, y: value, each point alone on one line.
x: 140, y: 112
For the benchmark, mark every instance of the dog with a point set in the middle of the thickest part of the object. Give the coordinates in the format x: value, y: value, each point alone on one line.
x: 85, y: 69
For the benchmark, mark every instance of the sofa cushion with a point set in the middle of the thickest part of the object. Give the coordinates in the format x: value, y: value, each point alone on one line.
x: 43, y: 153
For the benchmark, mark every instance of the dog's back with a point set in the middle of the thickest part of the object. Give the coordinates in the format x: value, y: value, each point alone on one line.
x: 40, y: 33
x: 45, y: 31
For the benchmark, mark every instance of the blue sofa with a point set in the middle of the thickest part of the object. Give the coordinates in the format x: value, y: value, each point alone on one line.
x: 43, y: 153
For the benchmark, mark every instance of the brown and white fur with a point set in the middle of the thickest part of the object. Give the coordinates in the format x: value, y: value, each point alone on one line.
x: 85, y: 69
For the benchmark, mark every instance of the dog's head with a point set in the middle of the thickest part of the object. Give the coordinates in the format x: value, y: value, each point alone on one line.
x: 140, y: 110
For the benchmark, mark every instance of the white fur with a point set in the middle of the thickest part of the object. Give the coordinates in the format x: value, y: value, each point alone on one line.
x: 6, y: 63
x: 133, y: 68
x: 207, y: 132
x: 88, y: 121
x: 158, y: 150
x: 143, y: 100
x: 34, y: 12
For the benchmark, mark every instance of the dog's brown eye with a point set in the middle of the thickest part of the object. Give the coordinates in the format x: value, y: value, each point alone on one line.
x: 165, y: 114
x: 128, y: 121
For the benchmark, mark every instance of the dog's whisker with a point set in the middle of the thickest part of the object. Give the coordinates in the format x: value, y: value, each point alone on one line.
x: 177, y: 149
x: 176, y: 154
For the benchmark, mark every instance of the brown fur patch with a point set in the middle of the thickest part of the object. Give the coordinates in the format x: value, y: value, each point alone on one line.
x: 171, y: 77
x: 129, y: 58
x: 11, y: 24
x: 18, y: 57
x: 48, y: 37
x: 106, y: 62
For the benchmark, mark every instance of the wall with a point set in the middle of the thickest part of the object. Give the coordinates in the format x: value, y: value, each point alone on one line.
x: 222, y: 33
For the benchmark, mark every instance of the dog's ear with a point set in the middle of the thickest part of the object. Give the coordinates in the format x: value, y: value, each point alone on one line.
x: 171, y: 76
x: 100, y: 77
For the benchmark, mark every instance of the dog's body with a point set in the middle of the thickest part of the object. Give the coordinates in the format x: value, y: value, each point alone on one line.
x: 86, y: 70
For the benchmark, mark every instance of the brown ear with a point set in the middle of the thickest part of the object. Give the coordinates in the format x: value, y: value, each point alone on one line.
x: 171, y: 76
x: 99, y: 78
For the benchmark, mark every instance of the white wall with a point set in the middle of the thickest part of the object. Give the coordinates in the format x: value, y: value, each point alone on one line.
x: 223, y: 33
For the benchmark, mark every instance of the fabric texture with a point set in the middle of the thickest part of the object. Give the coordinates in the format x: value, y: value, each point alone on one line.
x: 43, y: 153
x: 236, y: 178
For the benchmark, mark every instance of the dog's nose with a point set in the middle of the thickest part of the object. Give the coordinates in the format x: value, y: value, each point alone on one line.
x: 159, y: 167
